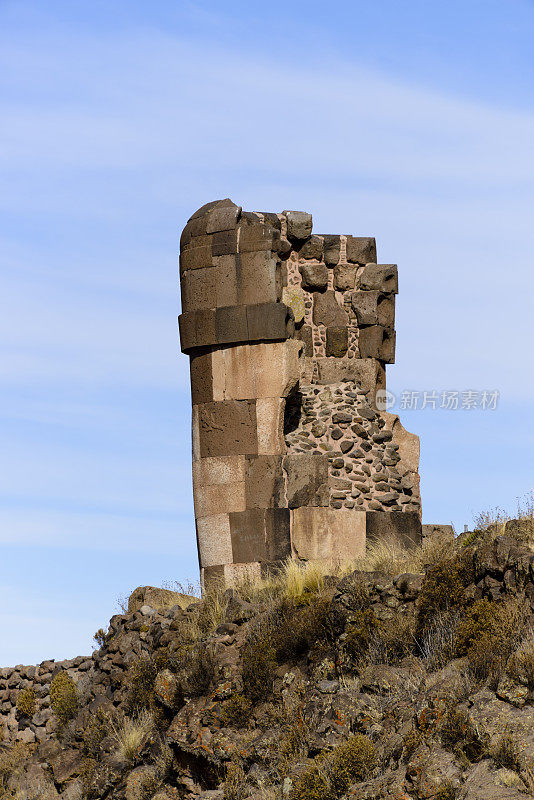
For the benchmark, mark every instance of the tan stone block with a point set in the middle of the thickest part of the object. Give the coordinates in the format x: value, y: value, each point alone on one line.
x: 219, y: 470
x: 279, y: 369
x: 264, y: 482
x: 234, y: 373
x: 214, y: 540
x: 409, y: 444
x: 362, y: 370
x: 225, y: 277
x: 195, y: 434
x: 241, y: 573
x: 212, y: 499
x: 264, y: 369
x: 270, y: 425
x: 257, y: 280
x: 328, y: 533
x: 199, y: 285
x: 201, y: 378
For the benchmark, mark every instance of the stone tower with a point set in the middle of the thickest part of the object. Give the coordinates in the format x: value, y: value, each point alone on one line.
x: 288, y: 335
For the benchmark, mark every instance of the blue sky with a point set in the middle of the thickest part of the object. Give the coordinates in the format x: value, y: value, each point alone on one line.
x: 410, y: 121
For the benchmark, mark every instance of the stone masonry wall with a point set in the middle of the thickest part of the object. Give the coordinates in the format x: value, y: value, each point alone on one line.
x: 289, y: 334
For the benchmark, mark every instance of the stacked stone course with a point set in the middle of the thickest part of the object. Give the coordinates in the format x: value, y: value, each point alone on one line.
x: 289, y: 334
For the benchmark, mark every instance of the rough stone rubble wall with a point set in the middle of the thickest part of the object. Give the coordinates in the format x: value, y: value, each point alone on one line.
x: 288, y: 335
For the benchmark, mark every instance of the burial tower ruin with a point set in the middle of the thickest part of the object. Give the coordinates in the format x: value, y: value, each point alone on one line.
x: 288, y: 335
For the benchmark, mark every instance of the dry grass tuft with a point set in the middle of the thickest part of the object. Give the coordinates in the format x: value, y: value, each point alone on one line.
x: 132, y: 734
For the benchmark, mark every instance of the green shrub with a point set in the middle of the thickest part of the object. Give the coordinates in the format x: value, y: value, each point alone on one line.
x: 197, y: 669
x: 458, y: 734
x: 236, y: 711
x: 140, y: 680
x: 488, y: 634
x: 443, y: 588
x: 234, y: 785
x: 331, y: 775
x: 63, y: 697
x: 258, y: 660
x: 507, y: 752
x: 26, y: 702
x: 312, y: 784
x: 299, y: 625
x: 352, y: 761
x: 95, y: 732
x: 363, y: 627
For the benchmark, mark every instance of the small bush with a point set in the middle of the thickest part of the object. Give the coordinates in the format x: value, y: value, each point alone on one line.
x: 63, y: 697
x: 487, y: 634
x: 363, y: 627
x: 234, y: 785
x: 258, y: 660
x: 443, y: 589
x: 392, y: 640
x: 458, y: 734
x: 520, y: 666
x: 329, y: 777
x: 100, y: 637
x: 351, y: 762
x: 95, y: 732
x: 297, y: 628
x: 26, y: 702
x: 439, y: 640
x: 197, y: 670
x: 140, y: 680
x: 507, y: 752
x: 236, y: 711
x: 12, y: 762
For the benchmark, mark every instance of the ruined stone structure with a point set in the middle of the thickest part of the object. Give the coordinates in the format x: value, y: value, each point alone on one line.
x: 288, y: 335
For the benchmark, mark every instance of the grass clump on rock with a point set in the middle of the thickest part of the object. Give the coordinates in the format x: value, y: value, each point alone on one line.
x: 330, y: 776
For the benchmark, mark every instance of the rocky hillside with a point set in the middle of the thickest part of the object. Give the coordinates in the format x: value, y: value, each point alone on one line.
x: 408, y: 679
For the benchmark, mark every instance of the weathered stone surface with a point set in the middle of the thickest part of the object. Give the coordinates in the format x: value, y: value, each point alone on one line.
x: 158, y: 599
x: 327, y: 311
x: 380, y: 277
x: 271, y: 315
x: 299, y: 225
x: 314, y: 276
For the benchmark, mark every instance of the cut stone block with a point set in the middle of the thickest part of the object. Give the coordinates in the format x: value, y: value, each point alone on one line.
x: 331, y: 249
x: 362, y: 370
x: 205, y: 334
x: 196, y: 257
x: 225, y: 277
x: 337, y: 342
x: 299, y: 225
x: 200, y: 368
x: 402, y: 525
x: 305, y: 335
x: 219, y: 470
x: 268, y: 321
x: 365, y: 306
x: 314, y: 276
x: 224, y: 243
x: 187, y: 327
x: 380, y: 277
x: 231, y: 324
x: 260, y: 534
x: 227, y: 428
x: 344, y: 277
x: 327, y: 311
x: 327, y: 533
x: 313, y: 248
x: 361, y: 249
x: 257, y: 278
x: 265, y: 369
x: 306, y: 480
x: 213, y: 499
x: 214, y: 540
x: 207, y: 207
x: 270, y: 422
x: 223, y: 218
x: 199, y: 288
x: 264, y: 482
x: 386, y: 310
x: 255, y: 236
x: 375, y: 341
